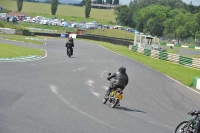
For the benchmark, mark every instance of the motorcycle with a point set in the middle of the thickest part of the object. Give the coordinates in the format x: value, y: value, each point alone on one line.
x: 114, y: 97
x: 69, y: 52
x: 188, y: 126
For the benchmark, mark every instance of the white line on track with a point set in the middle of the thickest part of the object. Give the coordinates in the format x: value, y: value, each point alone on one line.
x: 79, y: 69
x: 90, y: 83
x: 150, y: 121
x: 52, y: 63
x: 105, y: 87
x: 55, y: 91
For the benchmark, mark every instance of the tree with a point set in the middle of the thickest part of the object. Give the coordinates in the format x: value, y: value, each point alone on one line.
x: 116, y: 2
x: 150, y: 19
x: 99, y: 1
x: 87, y: 8
x: 19, y: 5
x: 124, y: 15
x: 110, y: 1
x: 54, y: 5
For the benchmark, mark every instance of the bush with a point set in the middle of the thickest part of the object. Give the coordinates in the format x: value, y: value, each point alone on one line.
x: 163, y: 43
x: 177, y: 45
x: 4, y: 11
x: 193, y: 47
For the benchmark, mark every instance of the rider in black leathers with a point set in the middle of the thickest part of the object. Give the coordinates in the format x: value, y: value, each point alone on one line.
x: 198, y: 121
x: 70, y: 44
x: 121, y: 80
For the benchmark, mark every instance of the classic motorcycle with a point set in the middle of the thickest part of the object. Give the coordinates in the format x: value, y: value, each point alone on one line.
x: 114, y: 97
x: 69, y: 52
x: 187, y: 126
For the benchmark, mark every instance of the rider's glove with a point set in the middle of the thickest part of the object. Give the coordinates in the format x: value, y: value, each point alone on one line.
x: 192, y: 113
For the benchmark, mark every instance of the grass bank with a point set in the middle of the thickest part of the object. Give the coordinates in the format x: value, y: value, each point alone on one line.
x: 112, y: 33
x: 12, y: 51
x: 180, y: 73
x: 27, y: 39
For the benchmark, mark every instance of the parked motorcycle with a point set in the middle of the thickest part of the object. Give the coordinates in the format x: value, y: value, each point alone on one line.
x: 114, y: 97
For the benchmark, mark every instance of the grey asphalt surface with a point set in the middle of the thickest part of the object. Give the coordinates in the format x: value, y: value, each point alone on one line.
x: 58, y: 94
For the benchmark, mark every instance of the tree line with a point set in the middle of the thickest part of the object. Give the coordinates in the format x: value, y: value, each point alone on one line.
x: 169, y: 18
x: 54, y: 6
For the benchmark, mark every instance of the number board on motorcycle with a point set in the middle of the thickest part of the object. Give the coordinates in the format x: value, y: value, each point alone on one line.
x: 119, y: 96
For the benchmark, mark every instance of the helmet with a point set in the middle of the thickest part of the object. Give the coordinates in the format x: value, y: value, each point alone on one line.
x: 122, y: 69
x: 70, y: 38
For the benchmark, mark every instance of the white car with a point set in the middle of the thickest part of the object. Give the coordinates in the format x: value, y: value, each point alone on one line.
x: 27, y: 19
x: 33, y: 20
x: 117, y: 27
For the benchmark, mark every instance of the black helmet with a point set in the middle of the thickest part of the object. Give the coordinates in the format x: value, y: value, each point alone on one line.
x: 122, y: 69
x: 70, y: 38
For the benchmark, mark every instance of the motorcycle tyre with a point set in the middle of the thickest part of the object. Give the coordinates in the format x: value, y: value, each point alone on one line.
x: 105, y: 100
x: 113, y: 104
x: 181, y: 124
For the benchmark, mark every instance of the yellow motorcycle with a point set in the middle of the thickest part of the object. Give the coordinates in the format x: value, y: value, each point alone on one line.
x: 114, y: 97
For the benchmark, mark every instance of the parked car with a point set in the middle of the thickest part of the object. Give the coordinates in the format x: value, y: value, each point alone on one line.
x: 117, y: 27
x: 106, y: 27
x: 27, y: 19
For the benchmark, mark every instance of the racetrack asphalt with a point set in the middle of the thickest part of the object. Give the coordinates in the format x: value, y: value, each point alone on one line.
x: 58, y: 94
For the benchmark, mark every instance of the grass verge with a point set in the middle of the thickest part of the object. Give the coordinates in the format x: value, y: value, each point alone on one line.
x: 27, y: 39
x: 12, y: 51
x: 181, y: 73
x: 112, y: 33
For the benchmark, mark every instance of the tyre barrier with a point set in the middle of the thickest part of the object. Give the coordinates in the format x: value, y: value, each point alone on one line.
x: 196, y: 82
x: 182, y: 60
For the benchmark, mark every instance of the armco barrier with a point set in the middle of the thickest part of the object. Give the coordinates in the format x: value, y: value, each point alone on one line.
x: 106, y: 39
x: 182, y: 60
x: 120, y: 41
x: 7, y: 31
x: 49, y: 34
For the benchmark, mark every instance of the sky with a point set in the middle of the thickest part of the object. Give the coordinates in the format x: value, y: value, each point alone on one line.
x: 194, y: 2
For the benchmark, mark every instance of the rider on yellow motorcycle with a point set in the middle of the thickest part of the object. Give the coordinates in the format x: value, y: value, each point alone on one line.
x: 120, y: 80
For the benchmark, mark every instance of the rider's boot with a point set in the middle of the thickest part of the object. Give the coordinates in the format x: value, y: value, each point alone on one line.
x: 107, y: 94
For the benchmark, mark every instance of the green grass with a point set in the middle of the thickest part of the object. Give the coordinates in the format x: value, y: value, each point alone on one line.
x: 182, y: 74
x: 194, y: 56
x: 112, y: 33
x: 66, y: 11
x: 27, y: 39
x: 169, y: 50
x: 12, y: 51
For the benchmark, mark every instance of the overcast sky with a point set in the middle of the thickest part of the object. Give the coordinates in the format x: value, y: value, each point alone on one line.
x: 194, y: 2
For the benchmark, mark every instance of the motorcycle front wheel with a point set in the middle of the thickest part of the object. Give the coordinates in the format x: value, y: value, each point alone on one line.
x: 182, y: 127
x: 105, y: 99
x: 114, y: 102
